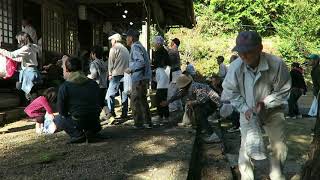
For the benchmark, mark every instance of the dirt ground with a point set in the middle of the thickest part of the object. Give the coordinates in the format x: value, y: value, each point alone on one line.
x: 160, y: 153
x: 298, y: 141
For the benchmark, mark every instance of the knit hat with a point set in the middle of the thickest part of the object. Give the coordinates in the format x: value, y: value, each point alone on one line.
x: 183, y: 81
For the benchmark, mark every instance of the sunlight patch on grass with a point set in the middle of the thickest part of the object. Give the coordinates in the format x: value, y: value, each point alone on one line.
x: 162, y: 145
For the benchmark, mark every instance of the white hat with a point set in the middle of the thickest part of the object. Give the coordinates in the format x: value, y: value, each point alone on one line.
x: 116, y: 37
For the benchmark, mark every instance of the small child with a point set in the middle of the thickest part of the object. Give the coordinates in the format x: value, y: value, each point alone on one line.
x: 40, y: 110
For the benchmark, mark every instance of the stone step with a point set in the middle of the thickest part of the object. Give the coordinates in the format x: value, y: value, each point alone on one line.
x: 11, y: 115
x: 8, y: 100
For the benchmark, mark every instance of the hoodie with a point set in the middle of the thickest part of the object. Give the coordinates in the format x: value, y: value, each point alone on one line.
x: 78, y: 96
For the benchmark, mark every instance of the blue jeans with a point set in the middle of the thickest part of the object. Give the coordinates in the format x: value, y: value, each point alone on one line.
x: 77, y: 128
x: 113, y: 89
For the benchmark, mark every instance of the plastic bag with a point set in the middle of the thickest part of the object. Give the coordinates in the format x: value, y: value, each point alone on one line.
x: 48, y: 125
x: 127, y: 83
x: 7, y: 67
x: 254, y: 144
x: 314, y: 108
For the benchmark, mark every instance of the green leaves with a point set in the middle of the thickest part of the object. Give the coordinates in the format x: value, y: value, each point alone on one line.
x: 297, y: 23
x: 299, y: 30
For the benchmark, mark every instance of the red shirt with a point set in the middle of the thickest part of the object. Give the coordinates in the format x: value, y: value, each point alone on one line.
x: 36, y: 107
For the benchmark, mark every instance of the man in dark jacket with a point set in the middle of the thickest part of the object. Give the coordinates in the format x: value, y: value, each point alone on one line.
x: 298, y: 87
x: 78, y: 103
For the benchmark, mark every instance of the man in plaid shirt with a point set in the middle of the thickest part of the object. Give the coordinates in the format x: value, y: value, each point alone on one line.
x: 200, y: 100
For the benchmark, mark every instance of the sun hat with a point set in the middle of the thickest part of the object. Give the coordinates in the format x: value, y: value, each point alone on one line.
x: 183, y: 81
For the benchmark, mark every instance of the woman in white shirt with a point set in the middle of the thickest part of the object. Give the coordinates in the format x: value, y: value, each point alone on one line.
x: 27, y: 56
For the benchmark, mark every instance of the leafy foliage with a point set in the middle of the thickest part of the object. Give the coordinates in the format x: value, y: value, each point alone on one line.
x: 237, y: 15
x: 299, y: 30
x: 290, y: 29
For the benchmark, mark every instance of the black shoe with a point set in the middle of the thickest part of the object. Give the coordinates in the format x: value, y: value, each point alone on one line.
x: 75, y: 140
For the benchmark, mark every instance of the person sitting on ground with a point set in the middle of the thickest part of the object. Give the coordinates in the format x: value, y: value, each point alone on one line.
x: 201, y: 101
x: 78, y: 104
x: 41, y: 107
x: 298, y: 88
x: 222, y: 67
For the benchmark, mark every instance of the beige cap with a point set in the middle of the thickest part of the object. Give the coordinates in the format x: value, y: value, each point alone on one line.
x: 183, y: 81
x: 116, y: 37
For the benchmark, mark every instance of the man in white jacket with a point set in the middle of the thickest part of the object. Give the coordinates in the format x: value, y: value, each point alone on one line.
x: 258, y: 85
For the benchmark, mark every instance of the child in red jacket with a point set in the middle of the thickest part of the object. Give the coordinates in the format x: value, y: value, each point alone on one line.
x: 38, y: 108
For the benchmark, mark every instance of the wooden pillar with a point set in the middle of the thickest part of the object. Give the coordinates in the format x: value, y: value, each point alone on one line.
x: 148, y: 26
x: 145, y: 35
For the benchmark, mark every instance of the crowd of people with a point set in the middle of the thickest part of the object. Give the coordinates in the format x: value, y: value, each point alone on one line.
x: 252, y: 92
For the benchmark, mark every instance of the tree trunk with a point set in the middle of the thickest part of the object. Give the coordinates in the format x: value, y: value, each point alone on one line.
x: 311, y: 169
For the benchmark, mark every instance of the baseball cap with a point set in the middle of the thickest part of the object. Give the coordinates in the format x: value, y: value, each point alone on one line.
x: 313, y: 57
x: 246, y: 41
x: 116, y: 37
x: 133, y: 33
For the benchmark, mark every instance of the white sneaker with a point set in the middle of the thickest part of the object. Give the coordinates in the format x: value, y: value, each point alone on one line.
x: 214, y: 138
x: 39, y: 130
